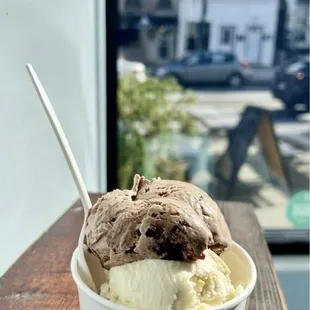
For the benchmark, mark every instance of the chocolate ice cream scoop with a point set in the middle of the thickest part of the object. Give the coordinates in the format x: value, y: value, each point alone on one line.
x: 161, y: 219
x: 194, y: 198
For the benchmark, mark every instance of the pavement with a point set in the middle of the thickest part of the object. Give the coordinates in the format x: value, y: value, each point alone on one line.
x: 221, y: 107
x: 238, y: 99
x: 218, y: 108
x: 263, y: 74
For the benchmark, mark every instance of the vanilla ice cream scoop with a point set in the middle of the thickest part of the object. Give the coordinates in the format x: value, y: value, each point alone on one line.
x: 154, y: 284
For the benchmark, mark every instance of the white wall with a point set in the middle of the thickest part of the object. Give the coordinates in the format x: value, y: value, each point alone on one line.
x: 58, y: 38
x: 241, y: 14
x: 238, y: 13
x: 189, y: 11
x: 298, y: 18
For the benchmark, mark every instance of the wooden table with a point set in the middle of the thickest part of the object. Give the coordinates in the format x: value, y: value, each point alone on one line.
x: 41, y: 278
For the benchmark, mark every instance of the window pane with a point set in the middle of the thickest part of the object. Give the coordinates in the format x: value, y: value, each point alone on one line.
x: 218, y: 58
x: 164, y: 4
x: 194, y: 59
x: 246, y: 135
x: 206, y: 59
x: 229, y: 57
x: 133, y: 4
x: 227, y: 35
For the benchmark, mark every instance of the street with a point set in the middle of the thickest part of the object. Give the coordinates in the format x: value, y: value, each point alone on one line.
x: 218, y: 109
x: 252, y: 94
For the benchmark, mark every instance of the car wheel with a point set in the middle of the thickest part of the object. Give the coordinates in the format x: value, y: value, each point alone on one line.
x: 235, y: 80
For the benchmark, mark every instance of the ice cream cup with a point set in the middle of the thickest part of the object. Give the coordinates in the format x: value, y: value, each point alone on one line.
x: 243, y: 272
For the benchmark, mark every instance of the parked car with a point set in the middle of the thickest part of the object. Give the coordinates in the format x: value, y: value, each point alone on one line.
x: 291, y: 85
x: 125, y: 66
x: 206, y: 67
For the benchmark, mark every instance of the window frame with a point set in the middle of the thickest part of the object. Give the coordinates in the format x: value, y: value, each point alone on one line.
x: 112, y: 24
x: 287, y: 241
x: 232, y: 33
x: 280, y: 241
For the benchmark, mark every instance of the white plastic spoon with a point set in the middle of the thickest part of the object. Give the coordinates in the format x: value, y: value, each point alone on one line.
x: 64, y: 144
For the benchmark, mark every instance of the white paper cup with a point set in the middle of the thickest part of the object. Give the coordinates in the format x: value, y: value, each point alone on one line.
x: 241, y: 265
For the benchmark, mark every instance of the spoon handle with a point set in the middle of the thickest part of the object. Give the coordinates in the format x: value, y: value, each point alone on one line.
x: 61, y: 137
x: 64, y: 144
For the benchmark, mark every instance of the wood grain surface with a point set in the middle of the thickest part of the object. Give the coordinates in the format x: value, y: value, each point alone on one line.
x: 41, y: 279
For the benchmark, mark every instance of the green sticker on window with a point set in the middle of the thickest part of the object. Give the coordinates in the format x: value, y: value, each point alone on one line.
x: 297, y: 209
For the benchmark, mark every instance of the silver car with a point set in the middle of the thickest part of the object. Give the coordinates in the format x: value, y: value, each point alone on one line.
x: 206, y: 67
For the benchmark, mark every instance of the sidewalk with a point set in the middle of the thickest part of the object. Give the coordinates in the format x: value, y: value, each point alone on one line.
x: 263, y: 74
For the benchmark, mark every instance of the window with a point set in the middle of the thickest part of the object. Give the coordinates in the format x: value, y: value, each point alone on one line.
x: 193, y: 60
x: 218, y: 58
x: 221, y: 58
x: 133, y: 4
x: 273, y: 168
x: 163, y: 47
x: 227, y: 34
x: 204, y: 30
x: 206, y: 58
x: 192, y: 37
x: 191, y: 44
x: 230, y: 58
x: 164, y: 5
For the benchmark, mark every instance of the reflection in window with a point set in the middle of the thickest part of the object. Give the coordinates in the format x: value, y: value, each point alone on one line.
x: 133, y: 4
x: 227, y: 35
x: 206, y: 59
x: 164, y: 5
x: 193, y: 37
x: 163, y: 48
x: 221, y: 58
x: 218, y: 58
x: 152, y: 146
x: 191, y: 44
x: 193, y: 60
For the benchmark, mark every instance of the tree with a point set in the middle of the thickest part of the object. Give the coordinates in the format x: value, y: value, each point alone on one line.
x: 146, y: 111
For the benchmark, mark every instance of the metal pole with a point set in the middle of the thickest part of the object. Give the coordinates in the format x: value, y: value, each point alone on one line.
x: 202, y: 22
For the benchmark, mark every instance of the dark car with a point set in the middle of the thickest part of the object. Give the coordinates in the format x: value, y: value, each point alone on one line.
x: 291, y: 85
x: 206, y: 67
